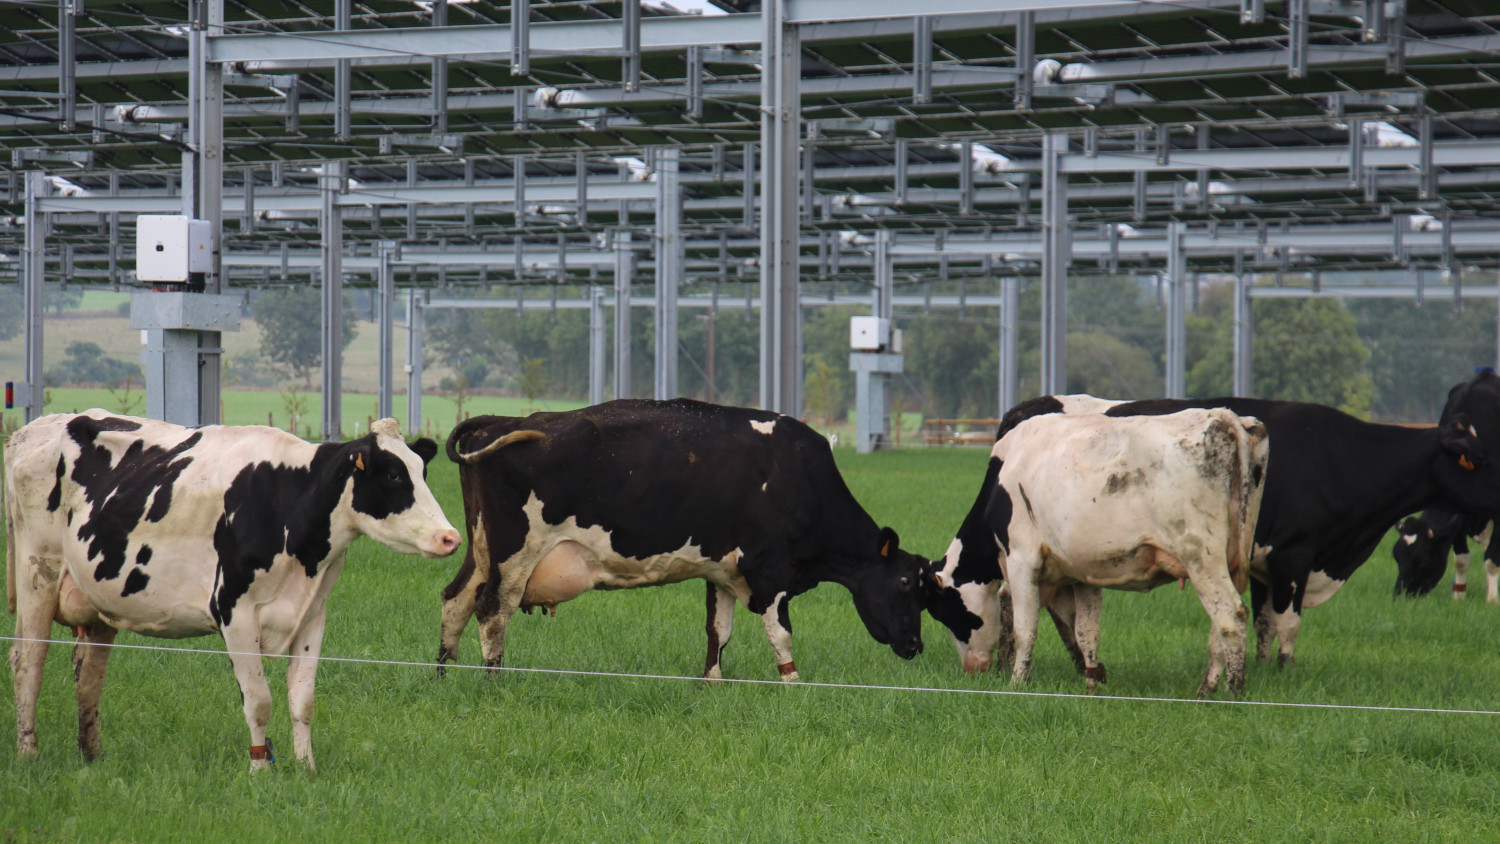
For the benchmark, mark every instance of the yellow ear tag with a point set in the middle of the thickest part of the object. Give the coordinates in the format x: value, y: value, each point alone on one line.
x: 359, y: 461
x: 885, y: 550
x: 1464, y: 461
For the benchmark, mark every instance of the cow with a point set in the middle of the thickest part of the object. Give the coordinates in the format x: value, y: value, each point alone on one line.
x: 117, y: 523
x: 1422, y: 547
x: 637, y: 493
x: 1334, y: 485
x: 1077, y: 503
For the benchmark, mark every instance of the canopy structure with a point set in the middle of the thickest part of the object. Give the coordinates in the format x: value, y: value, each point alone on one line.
x: 819, y: 149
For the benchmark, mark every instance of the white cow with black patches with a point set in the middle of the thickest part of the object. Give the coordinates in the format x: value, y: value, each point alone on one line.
x: 1081, y: 503
x: 117, y: 523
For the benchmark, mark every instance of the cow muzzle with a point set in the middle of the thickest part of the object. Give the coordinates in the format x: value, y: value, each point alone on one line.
x: 439, y: 543
x: 976, y: 662
x: 909, y: 649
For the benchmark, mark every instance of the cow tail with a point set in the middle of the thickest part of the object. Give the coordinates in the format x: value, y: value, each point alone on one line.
x: 475, y: 456
x: 1245, y: 487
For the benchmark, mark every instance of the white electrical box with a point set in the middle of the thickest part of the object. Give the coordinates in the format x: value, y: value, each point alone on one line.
x: 168, y: 247
x: 869, y: 334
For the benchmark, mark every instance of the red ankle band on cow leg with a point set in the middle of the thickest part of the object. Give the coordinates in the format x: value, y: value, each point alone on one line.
x: 787, y: 668
x: 1459, y: 587
x: 259, y: 752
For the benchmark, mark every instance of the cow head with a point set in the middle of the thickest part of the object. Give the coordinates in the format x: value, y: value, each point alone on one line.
x: 970, y: 609
x: 1421, y: 554
x: 388, y: 493
x: 1465, y: 475
x: 889, y: 596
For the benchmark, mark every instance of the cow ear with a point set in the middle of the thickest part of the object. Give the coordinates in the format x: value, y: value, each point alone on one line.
x: 889, y: 541
x: 425, y: 449
x: 1458, y: 438
x: 359, y: 456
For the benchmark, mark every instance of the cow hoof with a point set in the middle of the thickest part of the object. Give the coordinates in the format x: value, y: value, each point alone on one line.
x: 1285, y: 660
x: 258, y: 765
x: 1097, y: 674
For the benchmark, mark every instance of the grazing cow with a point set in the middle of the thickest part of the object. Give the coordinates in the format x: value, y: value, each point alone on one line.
x: 1078, y: 503
x: 1422, y: 547
x: 637, y: 493
x: 1334, y: 485
x: 118, y: 523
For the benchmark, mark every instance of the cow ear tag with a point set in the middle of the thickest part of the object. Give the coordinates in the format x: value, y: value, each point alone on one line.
x: 1464, y: 461
x: 885, y: 550
x: 359, y: 461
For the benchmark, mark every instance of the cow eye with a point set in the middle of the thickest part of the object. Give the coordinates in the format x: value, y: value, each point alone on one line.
x: 394, y: 477
x: 905, y: 581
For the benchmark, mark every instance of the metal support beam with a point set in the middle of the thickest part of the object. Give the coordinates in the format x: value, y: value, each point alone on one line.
x: 921, y: 60
x: 1299, y: 14
x: 385, y: 306
x: 414, y: 362
x: 1010, y: 297
x: 781, y: 108
x: 630, y: 40
x: 520, y: 46
x: 343, y: 78
x: 1177, y: 280
x: 67, y: 63
x: 598, y: 344
x: 1055, y: 258
x: 1025, y: 60
x: 203, y: 198
x: 331, y: 226
x: 624, y: 269
x: 440, y: 71
x: 34, y: 290
x: 668, y: 270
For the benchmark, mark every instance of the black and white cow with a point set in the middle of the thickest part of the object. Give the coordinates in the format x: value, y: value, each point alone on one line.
x: 1334, y: 485
x: 117, y: 523
x: 637, y: 493
x: 1076, y: 503
x: 1422, y: 547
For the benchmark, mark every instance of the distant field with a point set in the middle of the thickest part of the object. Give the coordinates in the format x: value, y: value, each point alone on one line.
x: 549, y: 757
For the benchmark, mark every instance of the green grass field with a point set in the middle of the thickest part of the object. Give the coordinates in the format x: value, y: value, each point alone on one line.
x: 534, y: 756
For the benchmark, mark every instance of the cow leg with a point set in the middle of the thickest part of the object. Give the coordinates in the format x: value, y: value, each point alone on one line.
x: 719, y: 627
x: 498, y: 599
x: 779, y: 631
x: 1265, y: 631
x: 36, y: 605
x: 1026, y: 600
x: 1491, y: 582
x: 301, y: 683
x: 458, y: 608
x: 1005, y: 622
x: 1088, y: 603
x: 255, y: 694
x: 90, y: 659
x: 1226, y: 612
x: 1286, y: 608
x: 1064, y: 615
x: 1460, y: 575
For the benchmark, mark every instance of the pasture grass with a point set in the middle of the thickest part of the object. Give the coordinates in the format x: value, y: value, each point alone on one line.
x: 549, y: 757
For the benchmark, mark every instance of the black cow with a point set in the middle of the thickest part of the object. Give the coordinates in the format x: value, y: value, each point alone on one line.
x: 637, y: 493
x: 1334, y: 485
x: 1422, y: 548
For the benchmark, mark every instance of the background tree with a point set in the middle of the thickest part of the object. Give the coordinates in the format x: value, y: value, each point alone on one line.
x: 1303, y: 350
x: 86, y: 363
x: 291, y: 329
x: 1418, y: 352
x: 57, y: 299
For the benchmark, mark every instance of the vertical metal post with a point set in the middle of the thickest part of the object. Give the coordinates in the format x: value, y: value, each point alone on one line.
x: 34, y: 290
x: 67, y: 63
x: 966, y: 177
x: 385, y: 299
x: 331, y: 223
x: 668, y: 270
x: 581, y: 174
x: 1244, y: 385
x: 520, y: 37
x: 748, y: 175
x: 921, y: 60
x: 624, y: 268
x: 1025, y: 60
x: 343, y: 77
x: 440, y: 72
x: 1139, y: 207
x: 203, y: 199
x: 414, y: 361
x: 1010, y: 297
x: 1055, y: 254
x: 781, y: 112
x: 597, y: 344
x: 1177, y: 281
x: 1300, y: 13
x: 901, y: 157
x: 630, y: 42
